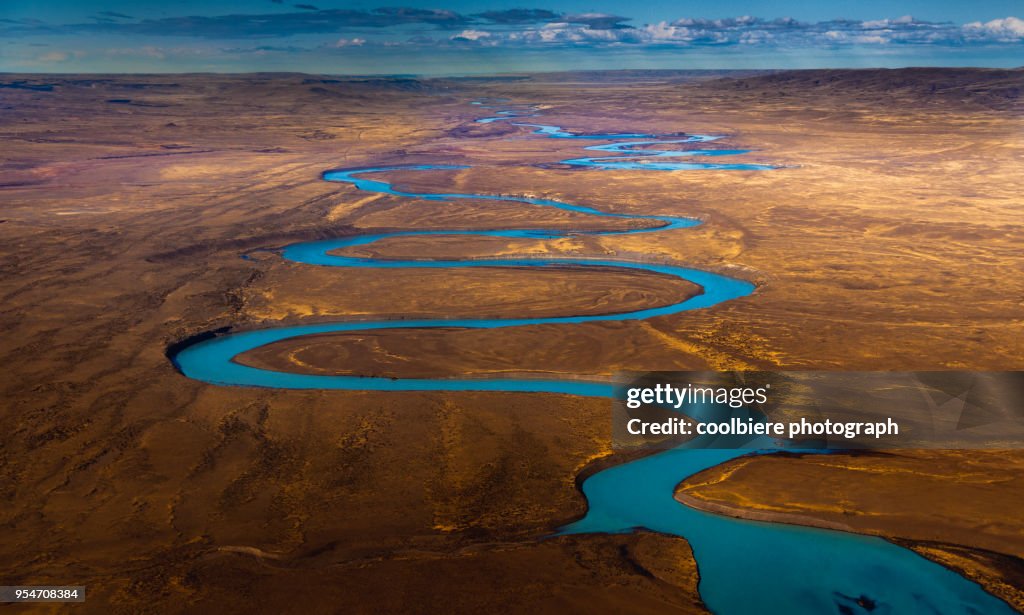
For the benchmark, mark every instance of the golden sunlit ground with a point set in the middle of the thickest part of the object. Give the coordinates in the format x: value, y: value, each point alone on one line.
x: 890, y: 240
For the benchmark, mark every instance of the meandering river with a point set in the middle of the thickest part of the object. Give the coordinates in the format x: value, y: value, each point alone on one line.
x: 745, y: 566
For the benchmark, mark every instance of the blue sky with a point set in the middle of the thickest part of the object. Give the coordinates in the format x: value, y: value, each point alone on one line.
x: 460, y: 37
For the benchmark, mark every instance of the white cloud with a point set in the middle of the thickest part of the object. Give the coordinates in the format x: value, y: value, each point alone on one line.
x: 350, y: 42
x: 471, y: 35
x: 1005, y: 30
x: 889, y: 23
x: 755, y: 31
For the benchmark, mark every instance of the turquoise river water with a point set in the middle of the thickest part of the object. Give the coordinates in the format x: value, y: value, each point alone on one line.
x: 745, y: 566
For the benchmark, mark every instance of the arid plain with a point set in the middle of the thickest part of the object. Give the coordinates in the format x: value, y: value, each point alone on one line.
x: 889, y: 239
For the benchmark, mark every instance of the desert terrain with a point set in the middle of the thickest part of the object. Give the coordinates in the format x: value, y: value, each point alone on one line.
x: 888, y: 239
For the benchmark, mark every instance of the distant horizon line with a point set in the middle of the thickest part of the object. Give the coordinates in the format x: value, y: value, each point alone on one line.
x: 519, y: 73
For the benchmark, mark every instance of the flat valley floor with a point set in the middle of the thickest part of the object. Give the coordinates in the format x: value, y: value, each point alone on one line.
x: 889, y: 239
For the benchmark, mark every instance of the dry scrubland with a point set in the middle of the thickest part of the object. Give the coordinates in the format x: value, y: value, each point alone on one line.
x: 891, y: 241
